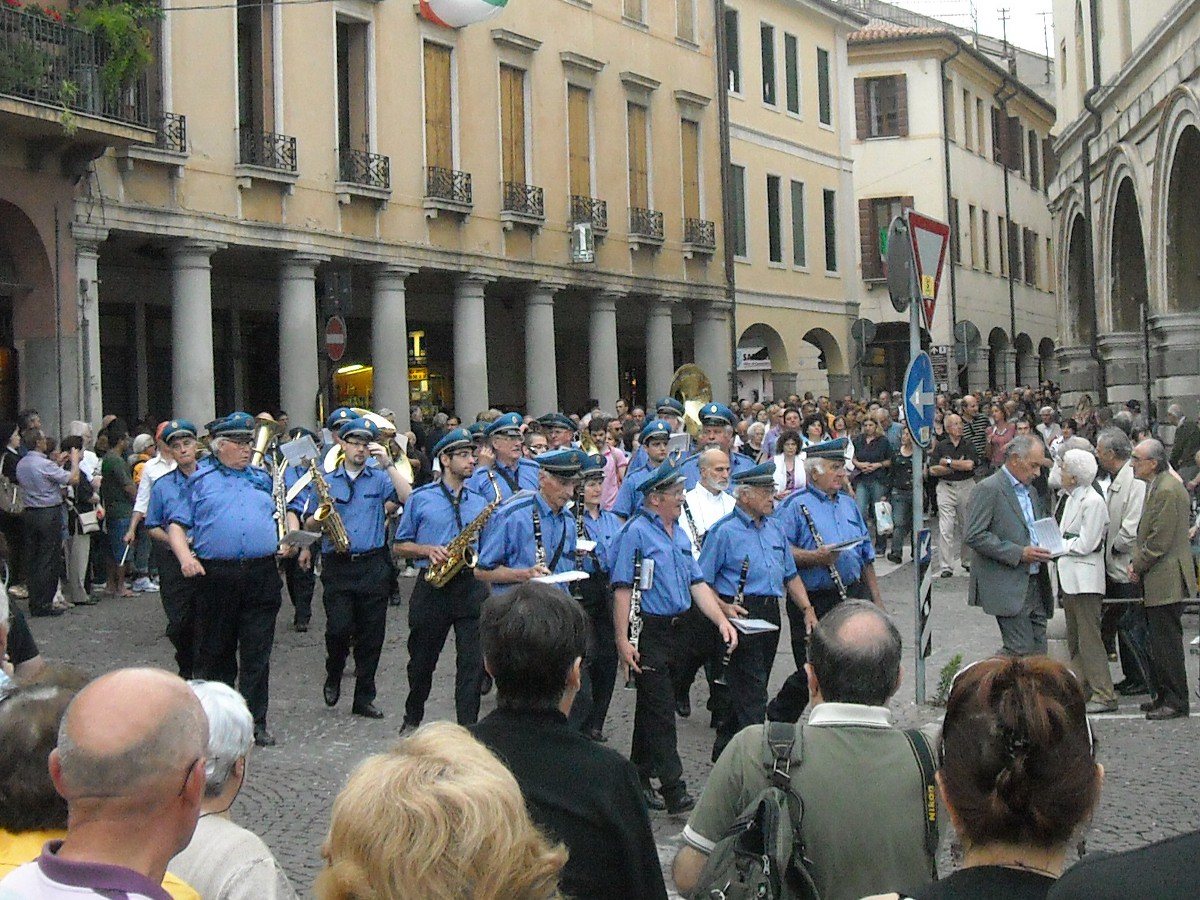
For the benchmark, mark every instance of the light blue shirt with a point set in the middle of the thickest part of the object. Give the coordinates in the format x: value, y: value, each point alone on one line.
x: 508, y: 539
x: 1026, y: 502
x: 433, y: 515
x: 629, y: 498
x: 603, y: 529
x: 738, y: 537
x: 229, y: 512
x: 166, y: 494
x: 359, y: 501
x: 837, y: 519
x: 524, y: 477
x: 675, y: 569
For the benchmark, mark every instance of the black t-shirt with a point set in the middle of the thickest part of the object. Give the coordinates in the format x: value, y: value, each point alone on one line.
x: 946, y: 449
x: 901, y: 472
x: 1165, y: 870
x: 876, y: 451
x: 987, y: 883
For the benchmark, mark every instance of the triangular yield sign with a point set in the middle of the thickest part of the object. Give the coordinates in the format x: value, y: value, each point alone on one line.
x: 929, y: 239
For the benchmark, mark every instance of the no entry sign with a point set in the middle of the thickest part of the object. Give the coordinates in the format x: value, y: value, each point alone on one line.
x: 335, y: 337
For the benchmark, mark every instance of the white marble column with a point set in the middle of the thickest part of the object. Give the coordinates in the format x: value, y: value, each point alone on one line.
x: 710, y: 332
x: 299, y: 375
x: 660, y: 352
x: 470, y: 348
x: 541, y: 365
x: 87, y: 263
x: 604, y: 371
x: 1008, y: 370
x: 389, y: 342
x: 977, y: 370
x: 192, y: 373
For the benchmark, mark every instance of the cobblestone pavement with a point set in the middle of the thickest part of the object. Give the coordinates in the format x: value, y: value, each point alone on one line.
x: 1152, y: 777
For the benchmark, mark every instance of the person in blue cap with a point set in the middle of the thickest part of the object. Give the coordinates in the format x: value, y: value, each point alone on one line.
x: 716, y: 421
x: 178, y: 594
x: 653, y: 552
x: 669, y: 410
x: 433, y: 517
x: 227, y: 507
x: 511, y: 469
x: 814, y: 520
x: 748, y: 562
x: 655, y: 439
x: 559, y: 430
x: 298, y: 572
x: 356, y: 582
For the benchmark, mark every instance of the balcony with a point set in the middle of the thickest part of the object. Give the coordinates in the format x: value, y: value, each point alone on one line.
x: 521, y: 204
x: 447, y: 190
x: 699, y: 238
x: 589, y: 209
x: 170, y: 146
x: 645, y: 228
x: 51, y: 95
x: 362, y: 174
x: 266, y: 156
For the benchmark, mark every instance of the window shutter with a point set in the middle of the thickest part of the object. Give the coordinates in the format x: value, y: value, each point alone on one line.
x: 1049, y: 162
x: 439, y: 150
x: 691, y: 168
x: 862, y: 112
x: 579, y: 136
x: 901, y: 83
x: 999, y: 132
x: 868, y: 242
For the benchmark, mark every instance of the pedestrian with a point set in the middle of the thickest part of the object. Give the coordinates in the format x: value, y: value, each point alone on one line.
x: 81, y: 506
x: 872, y: 459
x: 900, y: 494
x: 297, y: 569
x: 953, y: 464
x: 117, y: 493
x: 43, y: 482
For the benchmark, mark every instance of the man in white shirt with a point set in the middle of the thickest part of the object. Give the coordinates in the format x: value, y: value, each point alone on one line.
x: 709, y: 500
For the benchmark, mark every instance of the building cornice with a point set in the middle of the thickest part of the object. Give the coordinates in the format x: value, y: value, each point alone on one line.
x: 770, y: 141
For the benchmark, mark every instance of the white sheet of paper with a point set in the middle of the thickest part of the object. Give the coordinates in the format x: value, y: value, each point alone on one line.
x: 300, y: 539
x: 753, y: 626
x: 562, y: 577
x: 1049, y: 537
x: 845, y: 545
x: 583, y: 545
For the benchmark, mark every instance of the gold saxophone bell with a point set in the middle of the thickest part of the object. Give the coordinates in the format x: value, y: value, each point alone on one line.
x: 266, y: 429
x: 587, y: 445
x: 691, y: 386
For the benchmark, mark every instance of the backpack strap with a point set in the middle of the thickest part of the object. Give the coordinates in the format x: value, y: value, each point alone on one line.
x: 781, y: 748
x: 921, y: 750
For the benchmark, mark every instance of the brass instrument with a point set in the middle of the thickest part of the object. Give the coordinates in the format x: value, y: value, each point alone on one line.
x: 326, y: 513
x: 266, y: 429
x: 691, y: 386
x: 462, y: 554
x: 587, y: 445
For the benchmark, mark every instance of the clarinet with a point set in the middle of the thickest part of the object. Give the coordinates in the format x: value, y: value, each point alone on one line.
x: 539, y: 555
x: 687, y: 511
x: 635, y: 614
x: 737, y: 599
x: 833, y: 569
x: 580, y: 535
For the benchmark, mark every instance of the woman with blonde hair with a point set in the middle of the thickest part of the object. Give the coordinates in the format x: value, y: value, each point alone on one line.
x: 438, y: 817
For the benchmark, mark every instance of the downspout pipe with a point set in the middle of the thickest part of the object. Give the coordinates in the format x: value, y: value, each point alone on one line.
x: 727, y: 237
x: 949, y: 192
x: 1085, y: 155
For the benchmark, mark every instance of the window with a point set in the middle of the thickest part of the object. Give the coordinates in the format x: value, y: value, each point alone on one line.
x: 439, y: 109
x: 955, y: 233
x: 1029, y: 247
x: 691, y: 168
x: 824, y: 89
x: 831, y: 254
x: 799, y: 237
x: 632, y: 9
x: 1002, y: 237
x: 984, y: 226
x: 733, y: 51
x: 980, y: 128
x: 737, y: 191
x: 791, y: 72
x: 579, y: 140
x: 256, y: 66
x: 973, y: 227
x: 774, y: 223
x: 874, y: 218
x: 1049, y: 164
x: 968, y: 128
x: 1034, y: 153
x: 685, y: 20
x: 639, y: 168
x: 1014, y: 251
x: 512, y: 124
x: 1007, y: 143
x: 767, y: 34
x: 353, y: 90
x: 881, y: 106
x: 1049, y: 285
x: 948, y: 121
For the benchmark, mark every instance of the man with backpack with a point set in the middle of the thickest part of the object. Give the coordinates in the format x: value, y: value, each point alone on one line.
x: 854, y: 795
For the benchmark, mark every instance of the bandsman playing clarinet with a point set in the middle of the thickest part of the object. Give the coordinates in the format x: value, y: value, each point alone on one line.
x: 653, y: 546
x: 816, y: 520
x: 747, y: 560
x: 512, y: 471
x: 435, y: 516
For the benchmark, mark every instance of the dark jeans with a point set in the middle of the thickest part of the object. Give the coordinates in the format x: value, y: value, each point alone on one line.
x: 902, y: 517
x: 178, y: 595
x: 747, y: 672
x: 789, y: 704
x: 355, y: 592
x: 1167, y: 669
x: 236, y: 606
x: 654, y: 750
x: 432, y: 612
x: 1133, y: 634
x: 300, y: 587
x: 590, y: 708
x: 43, y: 555
x: 14, y: 535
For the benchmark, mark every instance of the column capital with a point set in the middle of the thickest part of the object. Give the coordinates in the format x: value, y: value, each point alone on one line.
x: 604, y: 301
x: 88, y: 237
x: 394, y: 270
x: 546, y: 286
x: 473, y: 279
x: 195, y: 248
x: 301, y: 258
x: 613, y: 294
x: 658, y: 305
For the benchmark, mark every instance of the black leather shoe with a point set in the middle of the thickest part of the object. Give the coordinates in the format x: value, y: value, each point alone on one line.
x: 1165, y: 712
x: 262, y: 737
x: 894, y: 557
x: 1127, y: 689
x: 332, y: 690
x: 653, y: 800
x: 367, y: 711
x: 407, y: 728
x: 485, y: 686
x: 51, y: 611
x: 1150, y: 705
x: 595, y: 734
x: 683, y: 707
x: 301, y: 627
x: 680, y: 802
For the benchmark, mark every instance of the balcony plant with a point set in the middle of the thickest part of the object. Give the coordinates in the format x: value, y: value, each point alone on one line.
x: 124, y: 32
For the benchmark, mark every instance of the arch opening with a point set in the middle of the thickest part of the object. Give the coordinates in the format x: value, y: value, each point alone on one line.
x: 1183, y: 226
x: 1130, y: 291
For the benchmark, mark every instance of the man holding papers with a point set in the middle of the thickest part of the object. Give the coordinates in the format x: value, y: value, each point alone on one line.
x: 747, y: 561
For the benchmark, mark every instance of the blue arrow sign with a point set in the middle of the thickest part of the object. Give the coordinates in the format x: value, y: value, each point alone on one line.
x: 919, y: 399
x: 925, y: 546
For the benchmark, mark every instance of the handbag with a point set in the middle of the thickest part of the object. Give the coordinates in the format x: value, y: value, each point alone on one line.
x: 12, y: 497
x: 883, y: 517
x: 89, y: 522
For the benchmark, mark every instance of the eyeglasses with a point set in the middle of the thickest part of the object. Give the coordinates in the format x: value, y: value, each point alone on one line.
x: 187, y: 776
x: 349, y: 443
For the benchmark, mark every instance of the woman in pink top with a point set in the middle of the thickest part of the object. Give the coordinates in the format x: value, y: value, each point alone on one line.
x: 999, y: 435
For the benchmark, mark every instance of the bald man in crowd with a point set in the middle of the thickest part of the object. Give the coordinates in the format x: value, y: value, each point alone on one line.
x: 130, y: 764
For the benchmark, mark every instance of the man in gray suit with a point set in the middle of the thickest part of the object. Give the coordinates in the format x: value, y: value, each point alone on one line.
x: 1010, y: 578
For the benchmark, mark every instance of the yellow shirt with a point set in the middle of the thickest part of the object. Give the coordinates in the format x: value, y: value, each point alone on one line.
x: 18, y: 849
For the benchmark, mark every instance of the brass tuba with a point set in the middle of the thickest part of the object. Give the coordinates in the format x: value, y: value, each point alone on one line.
x: 266, y: 429
x: 690, y: 386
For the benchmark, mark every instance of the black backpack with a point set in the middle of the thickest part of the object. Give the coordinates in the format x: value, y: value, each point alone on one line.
x: 762, y: 855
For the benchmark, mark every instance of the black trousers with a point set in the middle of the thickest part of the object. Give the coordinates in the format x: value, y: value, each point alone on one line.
x: 698, y: 643
x: 432, y: 612
x: 747, y: 672
x: 300, y: 586
x: 1168, y: 674
x: 789, y: 704
x: 1133, y: 633
x: 43, y: 555
x: 236, y: 605
x: 355, y: 593
x: 654, y: 751
x: 590, y: 708
x: 178, y: 595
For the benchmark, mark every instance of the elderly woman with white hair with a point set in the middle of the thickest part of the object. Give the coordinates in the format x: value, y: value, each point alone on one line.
x: 224, y: 861
x: 1081, y: 578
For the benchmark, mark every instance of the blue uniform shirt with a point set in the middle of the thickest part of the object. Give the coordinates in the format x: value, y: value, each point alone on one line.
x: 837, y: 519
x: 359, y: 501
x: 603, y: 529
x: 166, y: 494
x: 675, y: 570
x: 691, y: 469
x: 431, y: 517
x: 629, y: 498
x: 229, y: 512
x: 637, y: 462
x: 507, y: 539
x: 736, y: 537
x: 510, y: 481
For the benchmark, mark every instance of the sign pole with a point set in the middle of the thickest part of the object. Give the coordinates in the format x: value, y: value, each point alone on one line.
x: 918, y: 499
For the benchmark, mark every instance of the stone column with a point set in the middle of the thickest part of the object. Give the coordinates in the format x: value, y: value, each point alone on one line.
x: 603, y: 368
x: 660, y: 352
x: 1007, y: 370
x: 389, y: 342
x: 1175, y: 359
x: 541, y: 367
x: 299, y: 375
x: 87, y: 263
x: 977, y: 369
x: 470, y: 348
x: 192, y: 384
x: 1123, y: 354
x: 1077, y: 374
x: 710, y: 332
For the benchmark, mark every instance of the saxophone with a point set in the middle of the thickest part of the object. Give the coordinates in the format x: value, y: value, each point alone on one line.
x: 326, y: 513
x: 462, y: 554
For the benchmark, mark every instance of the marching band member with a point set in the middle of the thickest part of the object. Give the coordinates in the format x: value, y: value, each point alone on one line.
x: 717, y: 421
x: 513, y: 472
x: 655, y: 440
x: 559, y: 430
x: 670, y: 411
x: 297, y: 568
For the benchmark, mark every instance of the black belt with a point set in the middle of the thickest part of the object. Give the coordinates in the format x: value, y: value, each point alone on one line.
x: 752, y: 598
x: 238, y: 563
x: 352, y: 557
x: 650, y: 619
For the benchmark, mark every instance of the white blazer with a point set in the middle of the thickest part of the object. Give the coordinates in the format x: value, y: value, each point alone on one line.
x: 1084, y: 525
x: 801, y: 478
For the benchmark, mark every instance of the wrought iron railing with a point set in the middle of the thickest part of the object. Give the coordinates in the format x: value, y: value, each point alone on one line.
x: 646, y: 223
x: 369, y: 169
x: 448, y: 184
x: 267, y: 150
x: 171, y: 132
x: 45, y: 61
x: 700, y: 233
x: 589, y: 209
x: 523, y: 198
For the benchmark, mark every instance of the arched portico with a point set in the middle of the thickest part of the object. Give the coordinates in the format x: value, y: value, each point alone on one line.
x: 1122, y: 347
x: 764, y: 368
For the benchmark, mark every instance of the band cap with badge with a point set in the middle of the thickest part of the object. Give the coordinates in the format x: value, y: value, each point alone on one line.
x: 455, y: 439
x: 759, y: 476
x: 509, y: 424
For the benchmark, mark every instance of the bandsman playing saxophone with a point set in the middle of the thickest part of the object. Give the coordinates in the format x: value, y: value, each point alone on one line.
x: 356, y: 581
x: 434, y: 516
